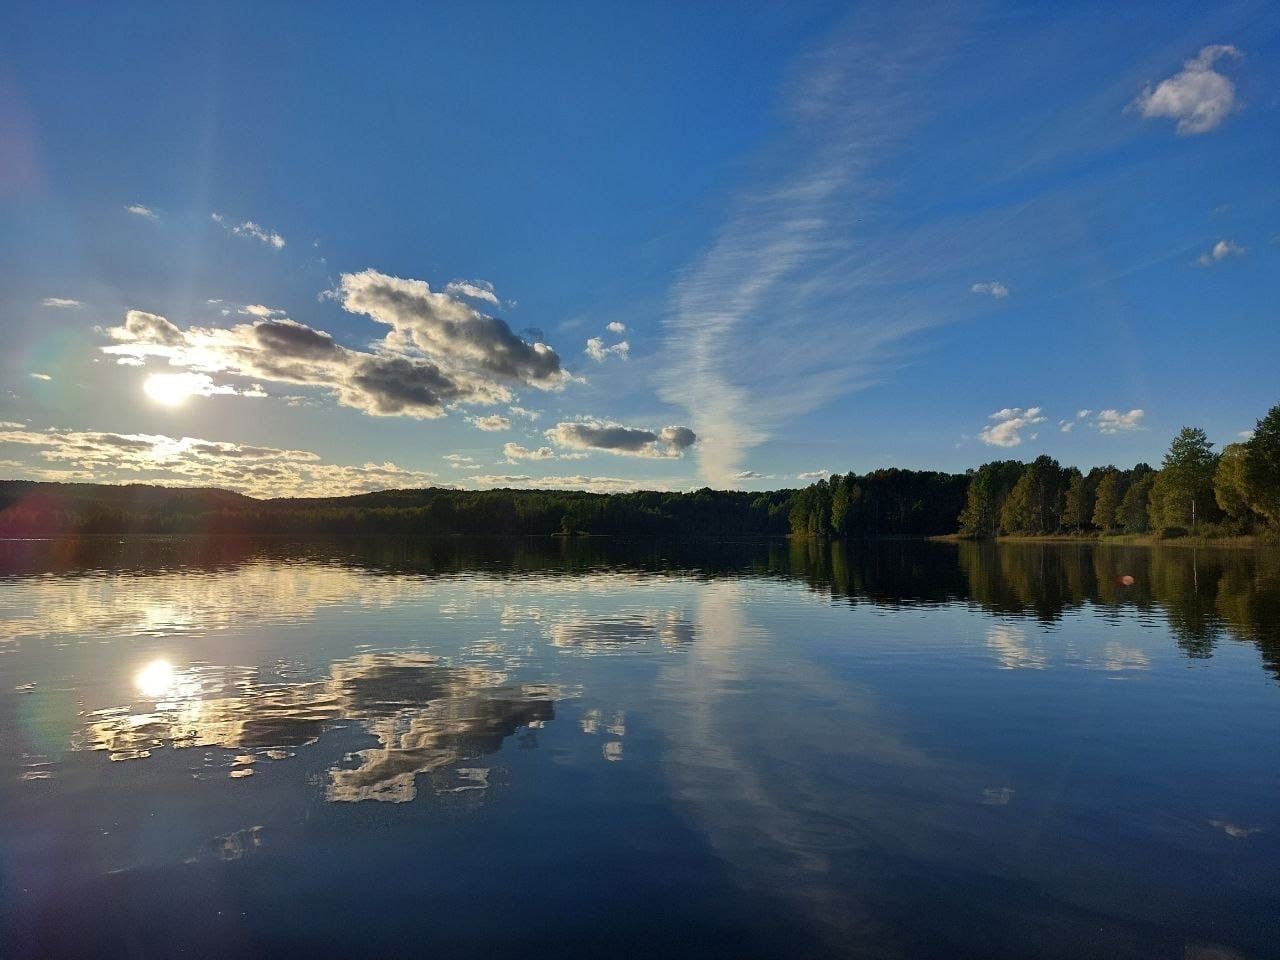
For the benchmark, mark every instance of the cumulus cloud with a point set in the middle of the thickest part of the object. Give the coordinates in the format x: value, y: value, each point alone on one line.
x: 616, y: 326
x: 991, y: 288
x: 473, y: 289
x: 1219, y: 251
x: 598, y: 352
x: 809, y: 476
x: 577, y: 482
x: 1198, y: 96
x: 248, y: 228
x: 669, y: 442
x: 492, y: 423
x: 188, y: 461
x: 1007, y: 425
x: 138, y: 210
x: 515, y: 452
x: 460, y: 461
x: 1115, y: 421
x: 439, y: 351
x: 61, y: 303
x: 439, y: 325
x: 525, y: 414
x: 1066, y: 426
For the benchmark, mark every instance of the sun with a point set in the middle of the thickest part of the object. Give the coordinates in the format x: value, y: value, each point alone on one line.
x: 169, y: 389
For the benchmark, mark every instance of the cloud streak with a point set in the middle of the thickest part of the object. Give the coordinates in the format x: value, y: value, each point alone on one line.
x: 764, y: 326
x: 248, y: 228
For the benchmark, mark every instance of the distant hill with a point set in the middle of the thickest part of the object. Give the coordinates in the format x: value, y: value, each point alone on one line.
x: 899, y: 502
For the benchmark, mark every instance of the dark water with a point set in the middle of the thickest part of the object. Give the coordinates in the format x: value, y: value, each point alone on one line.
x: 223, y: 748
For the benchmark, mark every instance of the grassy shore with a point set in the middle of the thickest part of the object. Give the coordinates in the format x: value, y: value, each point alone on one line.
x: 1128, y: 540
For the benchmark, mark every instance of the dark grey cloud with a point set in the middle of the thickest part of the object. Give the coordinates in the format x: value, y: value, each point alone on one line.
x: 449, y: 329
x: 670, y: 442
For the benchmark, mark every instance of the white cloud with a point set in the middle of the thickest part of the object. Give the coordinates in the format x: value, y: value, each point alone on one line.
x: 61, y: 303
x: 598, y: 352
x: 809, y: 476
x: 258, y: 310
x: 439, y: 325
x: 1220, y: 251
x: 250, y: 229
x: 1114, y: 421
x: 590, y: 484
x: 138, y: 210
x: 616, y: 326
x: 492, y: 423
x: 474, y: 290
x: 774, y: 318
x: 187, y: 461
x: 522, y: 412
x: 992, y: 288
x: 1066, y: 426
x: 460, y: 461
x: 1198, y: 97
x: 1006, y: 428
x: 515, y: 452
x: 1082, y: 413
x: 439, y: 351
x: 41, y: 376
x: 669, y: 442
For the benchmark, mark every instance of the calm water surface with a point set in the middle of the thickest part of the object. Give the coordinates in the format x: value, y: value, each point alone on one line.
x: 222, y: 748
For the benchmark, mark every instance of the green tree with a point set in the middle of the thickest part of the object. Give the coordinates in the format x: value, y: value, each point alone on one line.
x: 1077, y: 508
x: 1132, y: 515
x: 1262, y: 467
x: 1183, y: 491
x: 1107, y: 500
x: 1229, y: 488
x: 985, y: 497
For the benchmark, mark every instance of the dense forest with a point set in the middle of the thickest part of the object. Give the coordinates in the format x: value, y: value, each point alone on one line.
x: 1195, y: 490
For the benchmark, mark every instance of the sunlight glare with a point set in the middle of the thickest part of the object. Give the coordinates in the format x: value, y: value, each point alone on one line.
x: 155, y: 679
x: 168, y: 389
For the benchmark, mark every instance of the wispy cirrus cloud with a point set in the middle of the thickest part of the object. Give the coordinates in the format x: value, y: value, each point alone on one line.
x: 991, y: 288
x: 138, y: 210
x: 766, y: 325
x: 250, y: 229
x: 61, y: 303
x: 97, y: 456
x: 1218, y: 252
x: 1198, y: 96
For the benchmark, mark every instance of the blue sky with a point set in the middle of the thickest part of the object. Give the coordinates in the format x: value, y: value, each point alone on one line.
x: 830, y: 236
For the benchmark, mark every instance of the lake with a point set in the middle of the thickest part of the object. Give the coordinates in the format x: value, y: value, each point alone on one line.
x: 226, y: 748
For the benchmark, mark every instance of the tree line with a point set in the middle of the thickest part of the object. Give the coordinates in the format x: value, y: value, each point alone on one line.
x: 1195, y: 490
